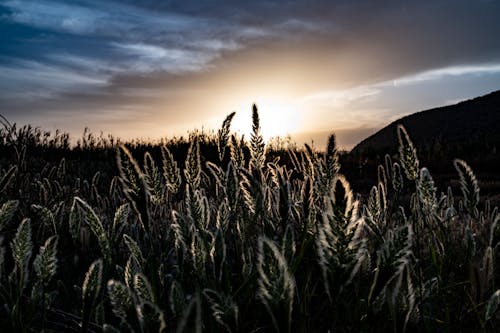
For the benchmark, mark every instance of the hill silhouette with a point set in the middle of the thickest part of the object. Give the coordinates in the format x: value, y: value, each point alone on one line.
x: 465, y: 129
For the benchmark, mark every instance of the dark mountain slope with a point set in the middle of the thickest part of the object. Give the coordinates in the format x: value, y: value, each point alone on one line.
x: 465, y: 129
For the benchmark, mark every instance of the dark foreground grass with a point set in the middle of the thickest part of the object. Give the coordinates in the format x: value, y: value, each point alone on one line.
x: 231, y: 238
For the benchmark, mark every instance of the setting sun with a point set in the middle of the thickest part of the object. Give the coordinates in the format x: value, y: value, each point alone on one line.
x: 277, y: 118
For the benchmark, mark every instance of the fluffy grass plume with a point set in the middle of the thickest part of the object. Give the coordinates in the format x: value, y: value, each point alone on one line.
x: 45, y: 263
x: 7, y: 212
x: 171, y: 171
x: 257, y: 145
x: 22, y: 247
x: 96, y: 226
x: 276, y: 284
x: 90, y: 291
x: 407, y: 154
x: 223, y: 136
x: 468, y: 185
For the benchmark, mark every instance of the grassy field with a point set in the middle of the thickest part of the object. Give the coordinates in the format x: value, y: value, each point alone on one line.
x: 219, y: 234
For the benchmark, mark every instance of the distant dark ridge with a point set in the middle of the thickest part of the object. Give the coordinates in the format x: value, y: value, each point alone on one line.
x: 472, y: 124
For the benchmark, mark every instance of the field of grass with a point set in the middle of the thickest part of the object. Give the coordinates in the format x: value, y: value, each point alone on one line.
x: 221, y: 235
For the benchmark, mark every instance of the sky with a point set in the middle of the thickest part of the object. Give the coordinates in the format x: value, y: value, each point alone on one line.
x: 154, y: 69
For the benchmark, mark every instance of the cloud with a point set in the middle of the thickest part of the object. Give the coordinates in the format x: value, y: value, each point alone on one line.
x: 110, y: 19
x: 23, y: 78
x: 148, y: 58
x: 174, y: 61
x: 340, y: 98
x: 439, y: 74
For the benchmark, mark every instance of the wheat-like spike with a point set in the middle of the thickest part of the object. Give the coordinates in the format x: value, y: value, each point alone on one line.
x: 134, y: 249
x: 178, y: 228
x: 90, y: 291
x: 308, y: 199
x: 7, y: 178
x: 153, y: 179
x: 61, y: 168
x: 245, y: 188
x: 276, y: 282
x: 426, y: 190
x: 410, y: 298
x: 217, y: 175
x: 134, y: 185
x: 75, y: 220
x: 223, y: 135
x: 468, y: 185
x: 131, y: 269
x: 381, y: 176
x: 397, y: 177
x: 232, y: 187
x: 97, y: 228
x: 331, y: 158
x: 383, y: 198
x: 237, y: 154
x: 127, y: 166
x: 120, y: 221
x: 224, y: 309
x: 171, y: 171
x: 199, y: 252
x: 257, y: 145
x: 326, y: 246
x: 395, y: 251
x: 402, y: 264
x: 45, y: 263
x: 197, y: 209
x: 192, y: 171
x: 308, y: 158
x: 151, y: 318
x: 362, y: 259
x: 92, y: 282
x: 22, y: 249
x: 143, y: 288
x: 492, y: 306
x: 121, y: 298
x: 388, y: 166
x: 407, y: 154
x: 342, y: 195
x: 193, y: 209
x: 47, y: 217
x: 331, y: 147
x: 296, y: 163
x: 255, y: 119
x: 374, y: 210
x: 7, y: 212
x: 223, y: 216
x: 115, y: 191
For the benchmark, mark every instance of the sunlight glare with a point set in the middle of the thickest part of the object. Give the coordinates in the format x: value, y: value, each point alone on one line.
x: 277, y: 118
